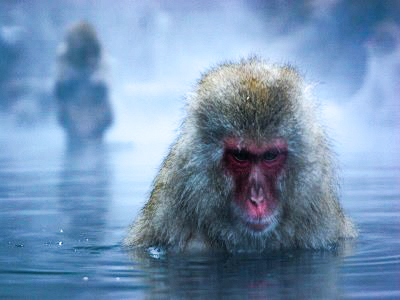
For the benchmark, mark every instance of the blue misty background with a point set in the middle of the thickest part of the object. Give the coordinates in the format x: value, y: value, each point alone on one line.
x: 63, y: 216
x: 156, y: 50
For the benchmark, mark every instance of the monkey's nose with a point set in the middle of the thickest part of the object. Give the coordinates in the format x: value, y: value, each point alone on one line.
x: 257, y: 195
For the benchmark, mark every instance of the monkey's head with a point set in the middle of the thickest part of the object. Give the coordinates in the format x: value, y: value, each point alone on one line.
x: 247, y: 122
x: 82, y: 47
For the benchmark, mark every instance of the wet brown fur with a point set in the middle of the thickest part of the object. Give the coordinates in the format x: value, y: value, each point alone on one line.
x: 190, y: 203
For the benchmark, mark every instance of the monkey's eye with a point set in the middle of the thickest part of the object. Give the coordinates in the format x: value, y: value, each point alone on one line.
x: 271, y: 155
x: 241, y: 156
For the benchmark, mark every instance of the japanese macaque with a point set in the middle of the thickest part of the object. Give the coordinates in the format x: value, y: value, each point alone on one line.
x: 251, y: 170
x: 82, y: 95
x: 378, y: 96
x: 373, y: 112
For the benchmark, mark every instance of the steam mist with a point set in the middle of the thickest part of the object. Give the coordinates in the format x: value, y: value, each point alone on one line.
x: 155, y: 51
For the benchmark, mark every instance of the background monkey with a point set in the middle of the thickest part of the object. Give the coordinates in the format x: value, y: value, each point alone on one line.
x: 82, y: 94
x: 251, y: 169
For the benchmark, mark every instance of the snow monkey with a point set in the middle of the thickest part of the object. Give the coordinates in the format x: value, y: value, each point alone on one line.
x: 82, y: 94
x: 251, y: 169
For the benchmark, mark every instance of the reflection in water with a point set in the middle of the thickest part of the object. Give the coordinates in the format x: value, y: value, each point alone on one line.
x: 295, y: 274
x: 84, y: 193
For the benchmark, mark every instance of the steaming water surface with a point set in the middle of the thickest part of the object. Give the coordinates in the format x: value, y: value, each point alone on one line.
x: 63, y: 216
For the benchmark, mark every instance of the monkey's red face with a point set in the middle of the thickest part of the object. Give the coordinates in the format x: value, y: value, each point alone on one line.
x: 255, y: 170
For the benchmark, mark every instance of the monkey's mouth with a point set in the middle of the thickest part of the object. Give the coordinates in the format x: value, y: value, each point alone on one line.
x: 260, y: 225
x: 257, y: 223
x: 257, y: 226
